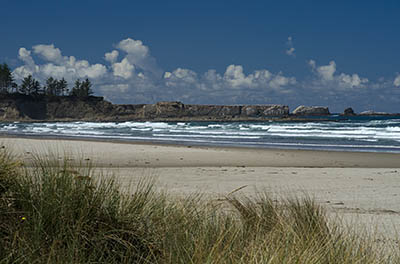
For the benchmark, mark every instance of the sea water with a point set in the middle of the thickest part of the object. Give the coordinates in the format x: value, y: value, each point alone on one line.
x: 359, y: 133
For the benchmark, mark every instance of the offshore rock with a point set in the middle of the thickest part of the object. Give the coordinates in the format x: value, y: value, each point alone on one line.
x: 370, y: 112
x: 311, y: 111
x: 349, y: 112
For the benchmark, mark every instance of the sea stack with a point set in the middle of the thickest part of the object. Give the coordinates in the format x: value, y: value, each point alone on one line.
x: 349, y: 112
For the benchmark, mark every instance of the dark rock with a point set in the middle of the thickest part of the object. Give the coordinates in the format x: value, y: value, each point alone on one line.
x: 311, y: 111
x: 349, y: 112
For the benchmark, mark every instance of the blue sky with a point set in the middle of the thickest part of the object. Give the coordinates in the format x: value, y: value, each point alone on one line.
x: 333, y: 53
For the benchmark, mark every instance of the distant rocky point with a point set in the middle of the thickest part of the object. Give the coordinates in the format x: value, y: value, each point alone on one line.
x: 17, y: 107
x: 67, y: 108
x: 311, y: 110
x: 370, y: 112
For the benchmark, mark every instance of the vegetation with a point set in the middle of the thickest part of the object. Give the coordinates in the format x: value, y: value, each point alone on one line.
x: 56, y: 87
x: 57, y: 212
x: 29, y: 86
x: 7, y: 84
x: 32, y: 87
x: 82, y: 89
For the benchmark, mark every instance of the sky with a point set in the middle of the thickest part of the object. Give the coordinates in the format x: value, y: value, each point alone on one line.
x: 331, y: 53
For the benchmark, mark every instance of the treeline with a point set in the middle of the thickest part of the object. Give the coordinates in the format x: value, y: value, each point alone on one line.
x: 31, y: 86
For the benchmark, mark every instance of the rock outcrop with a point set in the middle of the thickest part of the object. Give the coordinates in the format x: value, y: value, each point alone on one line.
x: 180, y: 110
x: 20, y: 107
x: 370, y: 112
x: 311, y: 111
x: 349, y: 112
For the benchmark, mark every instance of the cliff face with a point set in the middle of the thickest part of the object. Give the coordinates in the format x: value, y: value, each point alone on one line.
x: 20, y: 108
x: 28, y: 108
x: 311, y: 111
x: 179, y: 110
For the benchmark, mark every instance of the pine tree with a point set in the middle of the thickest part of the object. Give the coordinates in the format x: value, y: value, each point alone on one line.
x: 30, y: 86
x: 82, y: 89
x: 51, y: 87
x: 7, y: 84
x: 62, y: 87
x: 86, y: 87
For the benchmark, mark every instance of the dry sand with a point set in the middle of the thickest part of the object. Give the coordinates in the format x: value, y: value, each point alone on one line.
x: 363, y: 188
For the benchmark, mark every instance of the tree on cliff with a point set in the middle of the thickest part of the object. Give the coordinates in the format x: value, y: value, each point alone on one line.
x: 29, y: 86
x: 82, y: 89
x: 7, y: 84
x: 55, y: 87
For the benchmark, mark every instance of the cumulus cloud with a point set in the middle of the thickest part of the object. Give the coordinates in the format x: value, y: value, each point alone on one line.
x: 56, y: 65
x: 29, y: 67
x: 131, y: 75
x: 259, y: 79
x: 123, y: 69
x: 180, y: 77
x: 138, y: 55
x: 49, y: 52
x: 25, y: 56
x: 326, y: 73
x: 235, y: 77
x: 396, y: 81
x: 111, y: 56
x: 134, y: 48
x: 233, y: 81
x: 291, y: 50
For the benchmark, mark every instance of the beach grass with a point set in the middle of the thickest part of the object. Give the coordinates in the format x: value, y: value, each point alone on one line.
x: 60, y: 212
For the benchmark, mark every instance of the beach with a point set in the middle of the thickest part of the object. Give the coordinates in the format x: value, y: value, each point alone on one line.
x: 356, y: 186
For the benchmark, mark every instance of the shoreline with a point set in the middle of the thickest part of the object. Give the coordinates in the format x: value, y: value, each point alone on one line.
x: 272, y: 147
x: 166, y: 154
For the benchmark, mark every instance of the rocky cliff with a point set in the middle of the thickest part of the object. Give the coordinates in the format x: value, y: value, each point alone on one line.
x: 311, y: 111
x: 27, y: 108
x: 20, y: 107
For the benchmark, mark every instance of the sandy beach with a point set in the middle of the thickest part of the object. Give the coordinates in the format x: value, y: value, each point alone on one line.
x: 358, y: 187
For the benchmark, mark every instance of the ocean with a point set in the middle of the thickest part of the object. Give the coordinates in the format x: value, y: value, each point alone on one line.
x: 358, y: 133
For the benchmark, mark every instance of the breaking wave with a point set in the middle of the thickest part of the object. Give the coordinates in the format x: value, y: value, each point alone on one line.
x: 375, y: 134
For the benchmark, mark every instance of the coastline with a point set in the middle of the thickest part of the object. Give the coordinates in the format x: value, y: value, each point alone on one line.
x: 199, y: 155
x: 356, y: 186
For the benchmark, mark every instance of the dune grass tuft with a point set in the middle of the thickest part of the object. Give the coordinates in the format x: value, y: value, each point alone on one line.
x: 59, y: 212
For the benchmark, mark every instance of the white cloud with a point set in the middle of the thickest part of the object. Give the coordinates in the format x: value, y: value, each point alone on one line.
x: 113, y: 88
x: 29, y: 68
x: 185, y: 75
x: 396, y: 81
x: 279, y: 81
x: 133, y: 47
x: 136, y: 76
x: 111, y: 56
x: 291, y: 50
x: 131, y: 75
x: 260, y: 79
x: 354, y: 80
x: 326, y: 74
x: 138, y: 55
x: 25, y: 56
x: 49, y: 53
x: 56, y: 65
x: 123, y: 69
x: 235, y: 77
